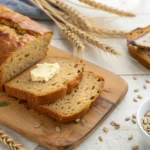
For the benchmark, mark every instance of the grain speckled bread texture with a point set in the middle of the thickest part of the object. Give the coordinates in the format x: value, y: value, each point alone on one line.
x: 142, y: 55
x: 23, y: 42
x: 37, y: 93
x: 74, y: 105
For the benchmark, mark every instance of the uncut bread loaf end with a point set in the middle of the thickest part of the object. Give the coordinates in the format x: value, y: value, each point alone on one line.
x: 75, y: 104
x: 36, y: 92
x: 23, y: 42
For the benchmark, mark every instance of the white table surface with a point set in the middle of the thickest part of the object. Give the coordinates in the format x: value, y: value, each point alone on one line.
x: 125, y: 66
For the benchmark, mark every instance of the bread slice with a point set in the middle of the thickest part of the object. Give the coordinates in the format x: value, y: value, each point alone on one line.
x: 75, y: 104
x: 37, y: 93
x: 138, y: 51
x: 23, y: 42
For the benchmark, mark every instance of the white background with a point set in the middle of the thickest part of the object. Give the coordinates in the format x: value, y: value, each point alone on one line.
x: 124, y: 66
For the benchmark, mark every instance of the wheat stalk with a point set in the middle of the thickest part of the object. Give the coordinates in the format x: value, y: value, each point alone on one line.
x: 103, y: 32
x: 104, y: 7
x: 60, y: 13
x: 92, y: 40
x: 47, y: 5
x: 84, y: 23
x: 10, y: 142
x: 74, y: 39
x: 82, y: 34
x: 70, y: 36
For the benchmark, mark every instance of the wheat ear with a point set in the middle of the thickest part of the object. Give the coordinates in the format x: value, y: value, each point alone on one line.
x: 73, y: 38
x: 83, y: 35
x: 10, y: 142
x: 84, y: 23
x: 104, y: 7
x: 103, y: 32
x: 92, y: 40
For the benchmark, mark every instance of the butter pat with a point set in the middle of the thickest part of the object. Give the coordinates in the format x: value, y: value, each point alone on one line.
x: 44, y: 72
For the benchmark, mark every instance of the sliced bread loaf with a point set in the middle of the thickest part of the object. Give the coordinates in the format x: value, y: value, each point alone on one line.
x: 23, y: 42
x: 138, y: 45
x: 75, y: 104
x: 36, y: 93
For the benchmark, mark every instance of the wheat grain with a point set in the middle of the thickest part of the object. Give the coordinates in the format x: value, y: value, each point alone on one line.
x: 103, y: 32
x: 104, y: 7
x: 73, y: 39
x: 84, y: 23
x: 9, y: 141
x: 92, y: 40
x: 71, y: 20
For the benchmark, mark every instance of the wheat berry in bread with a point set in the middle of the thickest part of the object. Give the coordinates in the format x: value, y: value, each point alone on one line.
x: 36, y: 92
x: 23, y: 42
x: 75, y: 104
x: 139, y: 45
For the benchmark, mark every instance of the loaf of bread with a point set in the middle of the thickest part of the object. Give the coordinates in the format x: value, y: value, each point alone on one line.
x: 139, y: 45
x: 74, y: 105
x: 36, y: 92
x: 23, y: 42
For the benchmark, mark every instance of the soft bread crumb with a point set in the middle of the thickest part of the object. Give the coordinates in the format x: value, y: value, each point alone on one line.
x: 79, y: 100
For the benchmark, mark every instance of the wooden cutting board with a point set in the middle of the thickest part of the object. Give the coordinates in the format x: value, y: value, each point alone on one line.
x: 24, y: 121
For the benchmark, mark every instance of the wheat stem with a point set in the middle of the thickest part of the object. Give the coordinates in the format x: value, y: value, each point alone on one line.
x: 84, y: 23
x: 47, y: 5
x: 92, y: 40
x: 109, y: 9
x: 37, y: 3
x: 58, y: 12
x: 10, y: 142
x: 103, y: 32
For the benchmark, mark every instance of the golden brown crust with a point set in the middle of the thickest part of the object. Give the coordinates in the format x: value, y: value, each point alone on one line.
x: 21, y: 22
x: 35, y: 100
x: 142, y: 58
x: 137, y: 32
x: 1, y: 86
x: 67, y: 119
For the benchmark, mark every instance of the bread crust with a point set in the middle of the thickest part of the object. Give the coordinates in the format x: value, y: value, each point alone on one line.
x: 23, y: 26
x: 67, y: 119
x: 135, y: 51
x: 20, y: 22
x: 143, y: 59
